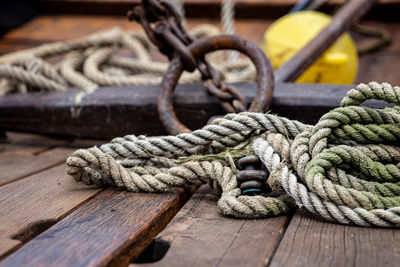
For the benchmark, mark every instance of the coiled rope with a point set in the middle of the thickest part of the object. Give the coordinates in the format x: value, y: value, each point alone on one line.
x: 345, y: 169
x: 107, y: 58
x: 101, y: 59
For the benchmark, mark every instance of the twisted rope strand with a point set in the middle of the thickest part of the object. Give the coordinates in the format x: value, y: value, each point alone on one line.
x: 309, y: 200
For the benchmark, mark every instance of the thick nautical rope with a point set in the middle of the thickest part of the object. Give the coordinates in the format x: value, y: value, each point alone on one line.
x: 107, y: 58
x: 345, y: 169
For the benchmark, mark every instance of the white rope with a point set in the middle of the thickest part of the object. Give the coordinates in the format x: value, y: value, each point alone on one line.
x: 228, y: 23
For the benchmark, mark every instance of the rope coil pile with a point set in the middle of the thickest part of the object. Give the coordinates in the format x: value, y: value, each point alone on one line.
x: 345, y: 169
x: 107, y: 58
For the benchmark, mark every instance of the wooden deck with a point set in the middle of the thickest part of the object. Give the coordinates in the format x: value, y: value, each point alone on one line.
x: 47, y: 219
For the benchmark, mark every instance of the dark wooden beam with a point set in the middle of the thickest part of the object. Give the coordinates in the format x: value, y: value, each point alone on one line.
x: 110, y: 112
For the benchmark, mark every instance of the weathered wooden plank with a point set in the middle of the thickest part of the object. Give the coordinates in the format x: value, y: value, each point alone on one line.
x: 110, y: 229
x: 311, y: 242
x: 200, y: 236
x: 110, y: 112
x: 33, y: 204
x: 23, y: 154
x: 28, y: 144
x: 204, y: 8
x: 16, y: 165
x: 50, y: 28
x: 16, y: 144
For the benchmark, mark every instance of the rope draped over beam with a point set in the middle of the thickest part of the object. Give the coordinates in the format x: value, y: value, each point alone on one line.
x: 345, y: 169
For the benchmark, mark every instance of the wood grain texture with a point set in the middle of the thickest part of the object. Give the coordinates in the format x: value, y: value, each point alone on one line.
x: 311, y: 242
x: 30, y: 205
x: 14, y: 166
x: 200, y: 236
x: 23, y: 154
x: 110, y: 229
x: 29, y: 144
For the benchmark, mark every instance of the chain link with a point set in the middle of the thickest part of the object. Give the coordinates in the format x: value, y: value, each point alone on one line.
x: 163, y: 26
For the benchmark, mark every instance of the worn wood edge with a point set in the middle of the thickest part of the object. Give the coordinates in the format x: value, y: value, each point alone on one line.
x: 125, y: 250
x: 23, y: 155
x: 132, y: 251
x: 279, y: 239
x: 45, y: 223
x: 36, y: 164
x: 25, y: 143
x: 28, y: 214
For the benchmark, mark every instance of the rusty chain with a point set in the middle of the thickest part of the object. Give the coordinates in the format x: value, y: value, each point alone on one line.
x: 162, y: 24
x: 163, y: 27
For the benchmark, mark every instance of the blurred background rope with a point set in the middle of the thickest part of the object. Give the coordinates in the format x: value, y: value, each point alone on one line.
x: 110, y: 58
x: 107, y: 58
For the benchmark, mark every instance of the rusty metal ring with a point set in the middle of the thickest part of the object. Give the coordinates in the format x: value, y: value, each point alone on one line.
x: 265, y: 76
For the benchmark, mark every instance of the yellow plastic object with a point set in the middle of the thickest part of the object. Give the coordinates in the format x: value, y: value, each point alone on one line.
x: 286, y: 36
